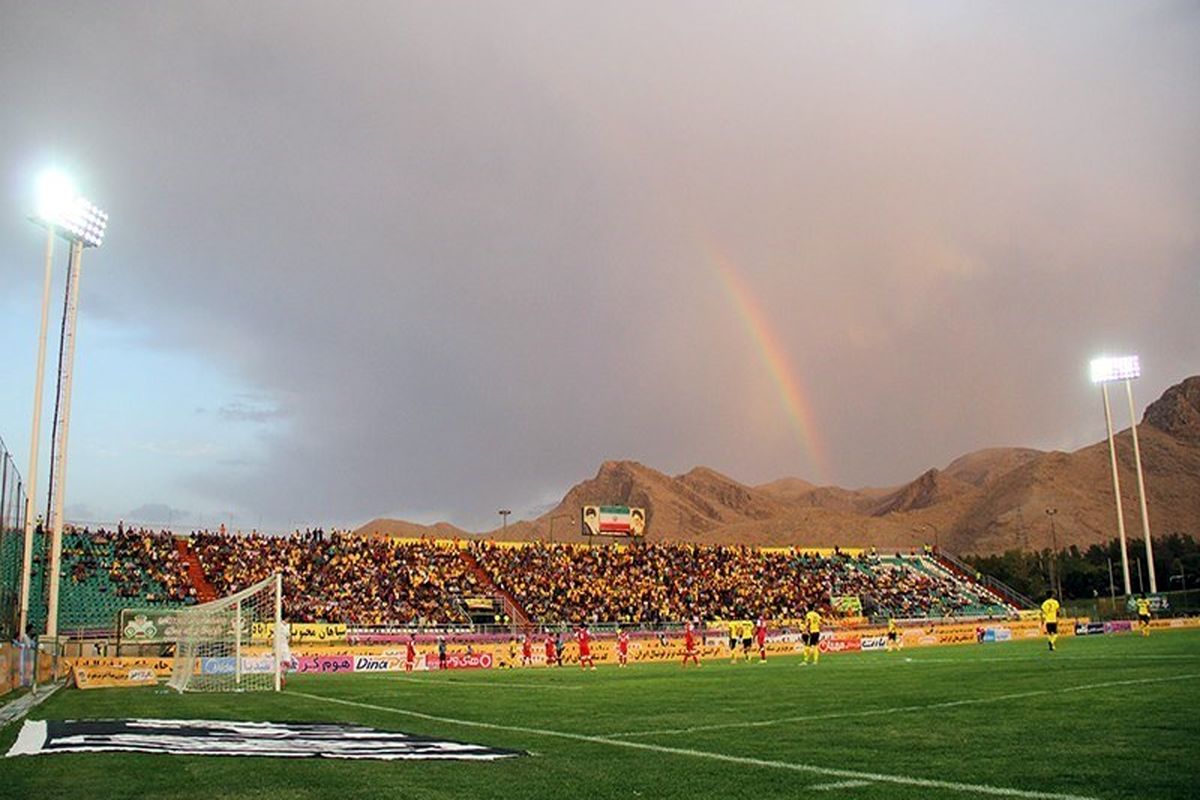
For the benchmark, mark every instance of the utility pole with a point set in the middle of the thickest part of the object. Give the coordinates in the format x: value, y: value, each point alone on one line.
x: 1112, y: 585
x: 937, y: 534
x: 556, y: 516
x: 1055, y: 575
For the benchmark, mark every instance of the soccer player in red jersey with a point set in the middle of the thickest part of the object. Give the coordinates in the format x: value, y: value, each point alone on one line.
x: 410, y: 653
x: 689, y: 646
x: 550, y: 655
x: 527, y: 651
x: 623, y: 648
x: 585, y: 647
x: 760, y: 636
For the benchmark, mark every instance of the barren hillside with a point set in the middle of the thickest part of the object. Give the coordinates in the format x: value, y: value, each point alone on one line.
x: 982, y: 502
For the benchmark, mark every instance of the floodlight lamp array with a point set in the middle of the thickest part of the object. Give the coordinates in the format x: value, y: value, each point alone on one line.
x: 61, y: 208
x: 1120, y: 368
x: 85, y: 222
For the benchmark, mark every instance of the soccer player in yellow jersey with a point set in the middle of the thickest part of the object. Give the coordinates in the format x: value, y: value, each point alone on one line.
x: 893, y: 635
x: 1050, y: 618
x: 812, y: 637
x: 1143, y: 609
x: 735, y: 629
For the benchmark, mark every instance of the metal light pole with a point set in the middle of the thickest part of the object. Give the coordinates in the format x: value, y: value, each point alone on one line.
x: 58, y: 483
x: 1137, y: 461
x: 937, y: 534
x: 64, y: 213
x: 1055, y: 574
x: 35, y: 435
x: 556, y: 516
x: 504, y: 512
x: 1103, y: 371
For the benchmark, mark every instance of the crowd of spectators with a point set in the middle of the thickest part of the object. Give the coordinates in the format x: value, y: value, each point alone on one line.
x: 344, y: 578
x: 142, y: 564
x: 657, y: 582
x: 903, y: 590
x: 367, y: 581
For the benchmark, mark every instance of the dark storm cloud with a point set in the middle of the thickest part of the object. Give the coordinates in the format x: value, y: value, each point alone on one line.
x: 467, y: 248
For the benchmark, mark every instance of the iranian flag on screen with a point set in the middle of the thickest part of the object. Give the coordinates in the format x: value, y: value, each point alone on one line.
x: 614, y: 520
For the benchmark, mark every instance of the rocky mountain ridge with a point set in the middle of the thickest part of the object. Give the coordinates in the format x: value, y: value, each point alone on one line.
x: 983, y: 502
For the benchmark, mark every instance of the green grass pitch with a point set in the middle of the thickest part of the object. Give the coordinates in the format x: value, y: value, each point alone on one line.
x: 1104, y: 717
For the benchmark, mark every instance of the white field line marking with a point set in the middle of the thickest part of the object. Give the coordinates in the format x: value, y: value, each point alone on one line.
x: 763, y: 723
x: 866, y: 661
x: 902, y: 780
x: 490, y: 685
x: 825, y: 787
x: 1047, y: 658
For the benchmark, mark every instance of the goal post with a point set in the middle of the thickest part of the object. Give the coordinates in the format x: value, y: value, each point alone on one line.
x: 279, y: 637
x: 230, y: 644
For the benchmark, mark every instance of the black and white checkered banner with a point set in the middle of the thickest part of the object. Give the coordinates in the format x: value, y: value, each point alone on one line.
x: 219, y: 738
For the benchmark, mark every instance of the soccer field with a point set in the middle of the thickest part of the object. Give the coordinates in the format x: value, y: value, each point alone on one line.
x: 1104, y: 717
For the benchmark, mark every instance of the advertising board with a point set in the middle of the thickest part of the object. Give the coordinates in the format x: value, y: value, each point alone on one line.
x: 840, y: 644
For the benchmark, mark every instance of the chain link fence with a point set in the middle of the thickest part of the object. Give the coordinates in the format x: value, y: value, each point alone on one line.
x: 1164, y: 605
x: 12, y: 527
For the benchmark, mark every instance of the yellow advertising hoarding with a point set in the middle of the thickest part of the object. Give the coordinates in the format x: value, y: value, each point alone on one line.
x: 96, y: 673
x: 301, y: 632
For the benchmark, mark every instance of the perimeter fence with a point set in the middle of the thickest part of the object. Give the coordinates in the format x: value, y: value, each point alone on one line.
x: 12, y: 527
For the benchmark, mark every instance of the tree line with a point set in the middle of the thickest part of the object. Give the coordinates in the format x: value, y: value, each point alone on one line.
x: 1086, y: 573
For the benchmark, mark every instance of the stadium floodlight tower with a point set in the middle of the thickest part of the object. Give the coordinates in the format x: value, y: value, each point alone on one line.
x: 1105, y: 371
x: 62, y: 211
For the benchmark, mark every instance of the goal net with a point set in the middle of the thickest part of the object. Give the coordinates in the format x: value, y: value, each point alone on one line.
x: 230, y: 645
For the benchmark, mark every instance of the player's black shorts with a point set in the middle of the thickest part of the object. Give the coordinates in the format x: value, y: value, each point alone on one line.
x: 814, y: 638
x: 1144, y: 619
x: 891, y: 636
x: 746, y: 643
x: 732, y: 643
x: 1051, y: 627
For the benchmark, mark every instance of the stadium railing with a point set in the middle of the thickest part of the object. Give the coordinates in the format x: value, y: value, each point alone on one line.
x: 1002, y: 589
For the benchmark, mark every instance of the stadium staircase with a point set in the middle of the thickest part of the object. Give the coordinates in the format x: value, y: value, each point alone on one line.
x: 511, y: 606
x: 999, y: 588
x: 205, y: 591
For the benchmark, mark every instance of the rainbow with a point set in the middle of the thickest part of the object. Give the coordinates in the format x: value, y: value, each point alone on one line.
x: 775, y: 359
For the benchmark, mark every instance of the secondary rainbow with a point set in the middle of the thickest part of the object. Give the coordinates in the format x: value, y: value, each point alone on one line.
x: 774, y: 357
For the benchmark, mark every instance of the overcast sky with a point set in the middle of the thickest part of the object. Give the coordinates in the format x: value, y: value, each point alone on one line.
x: 430, y: 259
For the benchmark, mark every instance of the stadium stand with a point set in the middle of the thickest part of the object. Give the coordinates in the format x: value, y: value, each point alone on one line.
x: 377, y: 582
x: 344, y: 578
x: 105, y: 571
x: 659, y: 582
x: 10, y: 568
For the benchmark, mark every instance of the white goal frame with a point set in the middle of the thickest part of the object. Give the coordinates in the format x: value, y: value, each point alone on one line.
x: 224, y: 629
